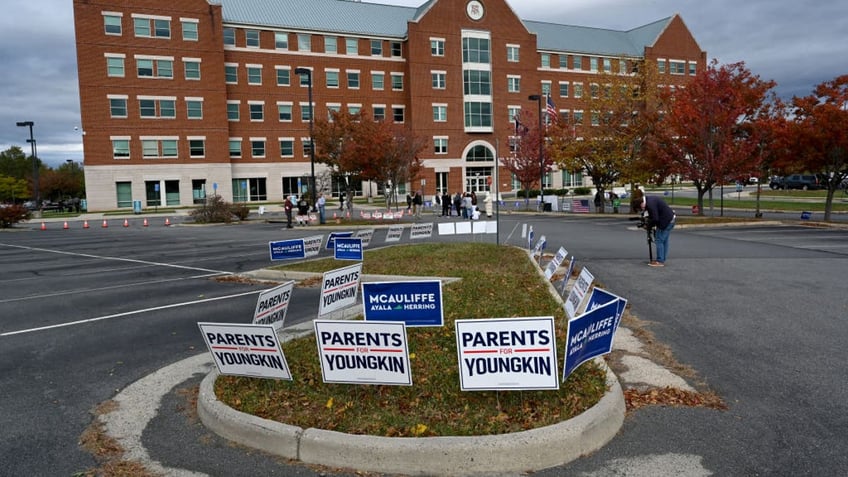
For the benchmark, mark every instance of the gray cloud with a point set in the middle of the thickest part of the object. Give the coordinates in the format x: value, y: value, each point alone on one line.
x: 797, y: 45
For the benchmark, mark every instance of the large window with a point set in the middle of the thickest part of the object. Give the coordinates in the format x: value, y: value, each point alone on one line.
x: 353, y: 79
x: 284, y: 111
x: 397, y: 81
x: 283, y: 76
x: 287, y: 147
x: 512, y: 53
x: 155, y: 67
x: 257, y: 147
x: 477, y: 82
x: 378, y: 80
x: 157, y: 107
x: 513, y: 84
x: 257, y: 111
x: 439, y: 79
x: 331, y: 45
x: 152, y: 193
x: 475, y: 50
x: 249, y: 190
x: 196, y: 147
x: 304, y: 42
x: 154, y: 148
x: 235, y: 147
x: 233, y: 110
x: 332, y: 78
x: 440, y: 113
x: 440, y: 145
x: 478, y: 114
x: 376, y: 47
x: 352, y: 46
x: 198, y: 191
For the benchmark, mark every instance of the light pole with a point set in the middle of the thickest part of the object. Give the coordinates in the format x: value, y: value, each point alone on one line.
x: 308, y: 73
x: 31, y: 141
x: 538, y: 99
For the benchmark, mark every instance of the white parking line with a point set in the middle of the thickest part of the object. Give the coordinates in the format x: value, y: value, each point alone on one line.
x: 128, y: 313
x: 119, y: 259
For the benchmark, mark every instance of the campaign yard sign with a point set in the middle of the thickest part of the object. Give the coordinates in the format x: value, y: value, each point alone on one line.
x: 348, y: 248
x: 287, y: 249
x: 312, y: 245
x: 394, y: 233
x: 421, y: 231
x: 530, y: 236
x: 589, y: 335
x: 540, y: 245
x: 578, y: 292
x: 366, y: 236
x: 507, y: 354
x: 331, y: 239
x: 363, y: 352
x: 415, y: 303
x: 245, y: 350
x: 339, y: 288
x: 554, y: 264
x: 600, y: 297
x: 272, y: 304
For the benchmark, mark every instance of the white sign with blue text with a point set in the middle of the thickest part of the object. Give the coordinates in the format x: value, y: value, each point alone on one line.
x: 312, y: 245
x: 589, y: 335
x: 272, y: 304
x: 245, y: 350
x: 415, y: 303
x: 578, y: 292
x: 507, y: 354
x: 554, y: 264
x: 339, y: 288
x: 348, y: 248
x: 362, y: 352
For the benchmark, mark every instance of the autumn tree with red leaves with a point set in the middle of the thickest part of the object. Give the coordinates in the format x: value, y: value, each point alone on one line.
x: 704, y: 135
x: 357, y: 146
x: 820, y: 131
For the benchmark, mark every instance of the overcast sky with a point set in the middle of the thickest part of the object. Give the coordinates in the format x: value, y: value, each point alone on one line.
x: 796, y: 44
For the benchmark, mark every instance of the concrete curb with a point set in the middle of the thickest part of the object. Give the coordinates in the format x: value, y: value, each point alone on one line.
x: 530, y: 450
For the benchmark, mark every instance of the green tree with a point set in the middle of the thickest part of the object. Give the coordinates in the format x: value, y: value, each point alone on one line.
x: 524, y: 163
x: 12, y: 190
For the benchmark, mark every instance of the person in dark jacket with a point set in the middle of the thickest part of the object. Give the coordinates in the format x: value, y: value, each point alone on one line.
x: 661, y: 217
x: 446, y: 204
x: 288, y: 206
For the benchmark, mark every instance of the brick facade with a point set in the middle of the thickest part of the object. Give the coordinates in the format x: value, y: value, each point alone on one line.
x: 181, y: 177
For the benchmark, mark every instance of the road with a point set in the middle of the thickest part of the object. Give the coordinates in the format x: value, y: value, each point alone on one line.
x: 757, y: 312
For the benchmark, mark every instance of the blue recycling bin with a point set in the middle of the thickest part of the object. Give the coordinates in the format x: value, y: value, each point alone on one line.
x: 136, y: 206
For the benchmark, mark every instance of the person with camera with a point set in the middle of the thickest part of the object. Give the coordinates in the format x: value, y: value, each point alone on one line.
x: 659, y: 216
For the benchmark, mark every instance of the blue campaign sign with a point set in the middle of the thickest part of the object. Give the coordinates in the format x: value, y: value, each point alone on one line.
x: 417, y: 303
x: 348, y: 248
x: 600, y: 297
x: 589, y: 335
x: 331, y: 239
x: 287, y: 249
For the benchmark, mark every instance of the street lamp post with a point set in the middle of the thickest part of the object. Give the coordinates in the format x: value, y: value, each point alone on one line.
x: 538, y: 99
x: 308, y: 73
x: 31, y: 141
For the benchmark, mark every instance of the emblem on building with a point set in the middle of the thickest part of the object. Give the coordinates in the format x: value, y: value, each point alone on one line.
x: 474, y: 9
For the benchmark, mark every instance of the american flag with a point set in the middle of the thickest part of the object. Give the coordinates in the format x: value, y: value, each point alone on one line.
x: 580, y: 206
x: 551, y: 109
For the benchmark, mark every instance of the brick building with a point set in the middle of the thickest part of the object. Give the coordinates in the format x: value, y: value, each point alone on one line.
x: 189, y: 98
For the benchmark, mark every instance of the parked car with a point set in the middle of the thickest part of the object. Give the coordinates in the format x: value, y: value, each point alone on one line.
x: 802, y: 181
x: 776, y: 182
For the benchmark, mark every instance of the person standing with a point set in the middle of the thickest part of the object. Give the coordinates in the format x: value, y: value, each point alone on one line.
x: 322, y: 208
x: 457, y: 204
x: 408, y: 203
x: 446, y: 204
x: 660, y: 216
x: 417, y: 202
x: 288, y: 206
x: 469, y: 207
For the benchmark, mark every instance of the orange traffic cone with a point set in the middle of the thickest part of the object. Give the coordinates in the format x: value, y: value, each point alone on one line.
x: 126, y: 223
x: 66, y: 225
x: 145, y: 222
x: 43, y: 226
x: 85, y: 224
x: 105, y: 224
x: 167, y: 221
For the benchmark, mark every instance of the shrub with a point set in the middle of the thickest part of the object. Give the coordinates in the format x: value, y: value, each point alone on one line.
x: 12, y: 214
x: 240, y: 210
x: 215, y: 210
x: 582, y: 191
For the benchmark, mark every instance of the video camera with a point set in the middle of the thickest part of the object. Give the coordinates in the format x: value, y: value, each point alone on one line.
x: 644, y: 222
